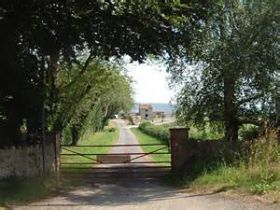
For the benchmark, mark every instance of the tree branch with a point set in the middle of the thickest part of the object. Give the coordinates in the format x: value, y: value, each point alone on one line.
x: 245, y: 100
x: 250, y: 121
x: 83, y: 69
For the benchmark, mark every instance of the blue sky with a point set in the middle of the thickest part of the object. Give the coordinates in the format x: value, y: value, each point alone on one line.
x: 150, y: 83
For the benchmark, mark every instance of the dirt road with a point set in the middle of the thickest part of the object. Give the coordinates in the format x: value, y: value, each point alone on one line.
x: 131, y: 193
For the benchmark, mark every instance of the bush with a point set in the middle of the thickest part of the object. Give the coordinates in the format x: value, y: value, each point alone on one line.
x: 160, y: 132
x: 130, y: 120
x: 249, y: 132
x: 206, y: 133
x: 111, y: 129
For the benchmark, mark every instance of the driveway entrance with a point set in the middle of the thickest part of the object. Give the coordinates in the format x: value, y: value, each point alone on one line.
x: 126, y: 156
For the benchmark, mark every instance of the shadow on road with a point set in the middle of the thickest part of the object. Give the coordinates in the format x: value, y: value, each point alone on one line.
x: 119, y: 189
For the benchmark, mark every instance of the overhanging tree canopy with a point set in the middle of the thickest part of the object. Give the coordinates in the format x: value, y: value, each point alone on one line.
x: 36, y: 36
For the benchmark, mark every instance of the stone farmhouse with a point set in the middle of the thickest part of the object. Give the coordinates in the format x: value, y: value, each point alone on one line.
x: 146, y: 111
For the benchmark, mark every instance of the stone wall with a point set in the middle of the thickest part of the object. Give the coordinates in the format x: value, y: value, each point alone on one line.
x: 27, y: 161
x: 186, y: 152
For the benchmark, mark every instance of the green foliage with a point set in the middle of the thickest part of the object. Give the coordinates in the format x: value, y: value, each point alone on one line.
x: 159, y: 132
x: 205, y: 133
x: 258, y: 172
x: 144, y: 138
x: 87, y: 101
x: 104, y: 137
x: 230, y: 71
x: 249, y: 132
x: 38, y: 37
x: 162, y: 131
x: 111, y: 129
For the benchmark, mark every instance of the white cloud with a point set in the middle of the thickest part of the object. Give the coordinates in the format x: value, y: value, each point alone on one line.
x: 151, y: 84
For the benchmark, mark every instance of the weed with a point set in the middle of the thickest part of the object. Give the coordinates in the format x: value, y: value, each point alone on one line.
x: 257, y: 173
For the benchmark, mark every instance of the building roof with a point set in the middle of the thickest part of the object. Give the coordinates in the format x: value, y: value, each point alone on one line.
x: 145, y: 106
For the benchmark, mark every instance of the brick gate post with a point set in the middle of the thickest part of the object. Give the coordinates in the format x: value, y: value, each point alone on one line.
x: 178, y: 140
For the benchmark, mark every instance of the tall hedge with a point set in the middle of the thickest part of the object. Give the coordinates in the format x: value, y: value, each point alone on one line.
x: 159, y: 132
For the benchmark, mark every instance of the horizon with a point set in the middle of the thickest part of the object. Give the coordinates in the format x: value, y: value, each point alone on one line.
x: 172, y: 104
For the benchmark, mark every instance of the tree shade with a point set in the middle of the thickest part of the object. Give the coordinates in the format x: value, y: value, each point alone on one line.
x: 38, y: 36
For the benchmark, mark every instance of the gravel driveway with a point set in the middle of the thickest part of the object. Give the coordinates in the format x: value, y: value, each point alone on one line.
x: 126, y: 191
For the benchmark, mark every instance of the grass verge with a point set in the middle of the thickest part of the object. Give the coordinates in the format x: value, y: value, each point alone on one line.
x: 16, y: 190
x: 259, y: 175
x: 146, y: 139
x: 77, y: 176
x: 106, y: 137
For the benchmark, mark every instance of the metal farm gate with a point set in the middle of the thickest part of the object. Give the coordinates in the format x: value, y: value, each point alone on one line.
x: 129, y: 159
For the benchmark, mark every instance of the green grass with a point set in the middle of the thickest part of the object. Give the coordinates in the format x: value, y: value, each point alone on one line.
x: 146, y: 139
x: 16, y: 190
x: 105, y: 137
x: 261, y: 175
x: 255, y: 180
x: 206, y: 133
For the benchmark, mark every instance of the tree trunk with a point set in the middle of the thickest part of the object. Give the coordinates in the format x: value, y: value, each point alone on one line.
x: 51, y: 79
x: 12, y: 128
x: 278, y: 117
x: 230, y: 111
x: 74, y: 135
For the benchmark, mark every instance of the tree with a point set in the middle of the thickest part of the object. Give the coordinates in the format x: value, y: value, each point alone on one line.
x: 88, y: 101
x: 37, y: 36
x: 235, y: 74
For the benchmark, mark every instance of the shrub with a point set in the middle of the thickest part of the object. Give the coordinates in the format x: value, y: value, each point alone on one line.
x: 160, y: 132
x: 249, y: 132
x: 111, y: 129
x: 130, y: 120
x: 257, y: 171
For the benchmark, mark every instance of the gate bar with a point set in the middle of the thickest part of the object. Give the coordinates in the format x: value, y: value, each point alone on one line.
x: 132, y: 153
x: 112, y: 168
x: 117, y: 145
x: 147, y: 153
x: 119, y: 163
x: 79, y: 154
